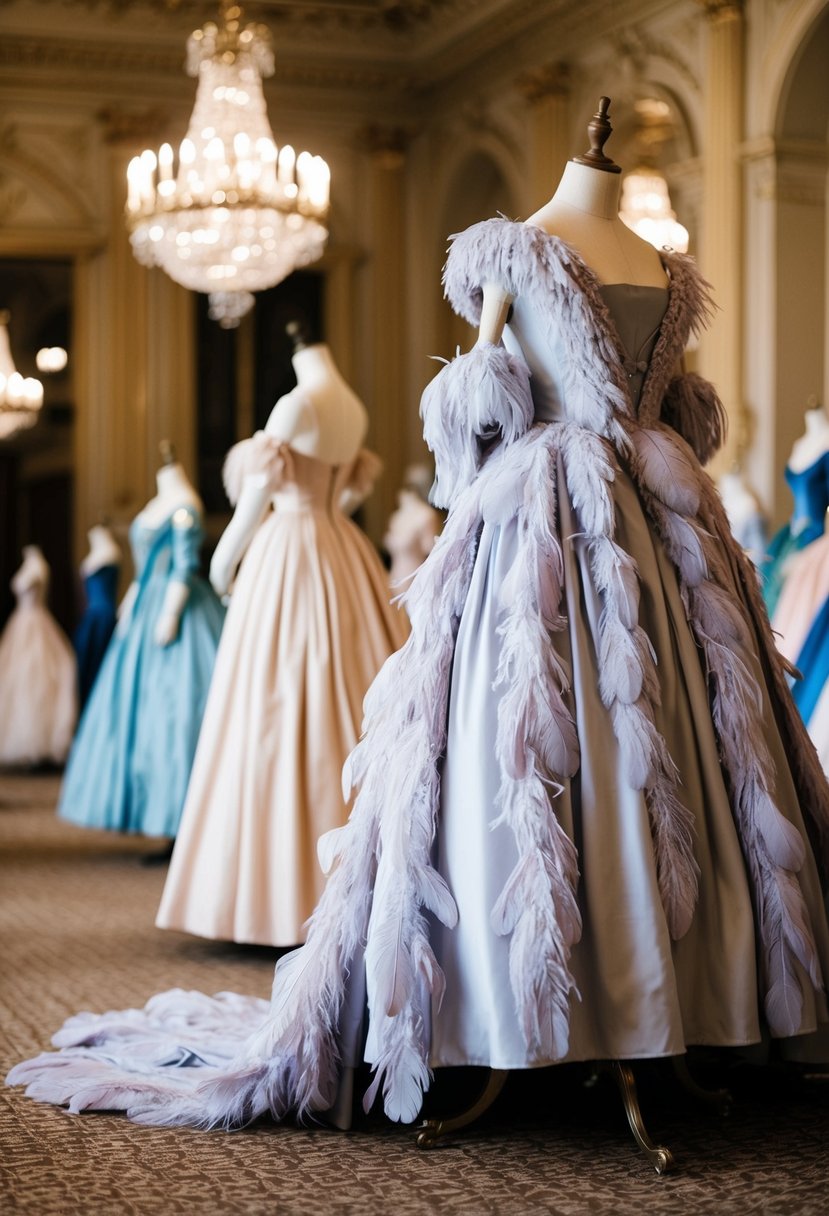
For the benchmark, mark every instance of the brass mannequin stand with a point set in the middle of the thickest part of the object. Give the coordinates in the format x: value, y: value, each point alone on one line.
x: 432, y: 1131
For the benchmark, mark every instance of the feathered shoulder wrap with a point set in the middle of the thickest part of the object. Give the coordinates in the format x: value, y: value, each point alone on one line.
x: 484, y: 396
x: 262, y: 454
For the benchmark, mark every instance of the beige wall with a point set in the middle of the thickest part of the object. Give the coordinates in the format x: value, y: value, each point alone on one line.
x: 407, y: 168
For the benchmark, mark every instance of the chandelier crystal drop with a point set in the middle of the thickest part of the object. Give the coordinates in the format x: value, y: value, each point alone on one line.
x: 230, y: 213
x: 21, y: 397
x: 646, y: 209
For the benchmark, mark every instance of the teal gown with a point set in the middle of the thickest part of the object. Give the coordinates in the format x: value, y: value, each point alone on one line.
x: 130, y: 762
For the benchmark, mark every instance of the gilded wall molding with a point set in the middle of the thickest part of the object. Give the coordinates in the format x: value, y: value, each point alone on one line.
x: 550, y: 80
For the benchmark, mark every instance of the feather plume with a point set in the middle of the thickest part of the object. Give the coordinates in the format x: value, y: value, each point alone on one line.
x: 588, y: 470
x: 693, y: 409
x: 666, y: 470
x: 478, y: 398
x: 616, y: 578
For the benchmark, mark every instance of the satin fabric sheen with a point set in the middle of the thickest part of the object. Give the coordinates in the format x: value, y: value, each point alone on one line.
x: 642, y: 995
x: 130, y: 764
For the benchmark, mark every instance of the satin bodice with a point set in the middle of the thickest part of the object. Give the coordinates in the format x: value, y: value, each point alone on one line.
x: 310, y: 485
x: 636, y: 313
x: 810, y: 491
x: 100, y: 587
x: 169, y: 548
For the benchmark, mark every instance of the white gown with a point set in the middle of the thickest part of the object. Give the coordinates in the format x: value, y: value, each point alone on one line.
x: 38, y: 678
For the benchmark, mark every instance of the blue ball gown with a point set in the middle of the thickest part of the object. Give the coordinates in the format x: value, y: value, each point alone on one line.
x: 810, y: 491
x: 130, y: 763
x: 94, y: 630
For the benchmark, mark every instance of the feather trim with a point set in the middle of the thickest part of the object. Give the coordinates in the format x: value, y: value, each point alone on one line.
x: 772, y: 845
x: 564, y: 291
x: 476, y: 400
x: 629, y: 685
x: 692, y: 407
x: 537, y: 749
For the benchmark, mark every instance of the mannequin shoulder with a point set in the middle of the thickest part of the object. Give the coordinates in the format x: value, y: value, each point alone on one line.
x: 325, y: 422
x: 294, y: 414
x: 188, y: 512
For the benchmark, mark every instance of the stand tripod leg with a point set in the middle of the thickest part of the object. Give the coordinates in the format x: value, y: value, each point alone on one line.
x: 720, y: 1099
x: 433, y: 1130
x: 660, y: 1158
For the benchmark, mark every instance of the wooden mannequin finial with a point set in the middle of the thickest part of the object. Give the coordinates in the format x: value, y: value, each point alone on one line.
x: 168, y: 452
x: 599, y: 130
x: 297, y: 331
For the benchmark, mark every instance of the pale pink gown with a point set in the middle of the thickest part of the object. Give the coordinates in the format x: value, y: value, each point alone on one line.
x: 804, y: 593
x: 308, y: 628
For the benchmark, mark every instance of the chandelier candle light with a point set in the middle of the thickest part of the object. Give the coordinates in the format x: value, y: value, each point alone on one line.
x: 20, y: 396
x: 646, y: 209
x: 232, y: 213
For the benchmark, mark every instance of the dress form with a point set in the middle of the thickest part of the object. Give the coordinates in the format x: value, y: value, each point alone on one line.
x: 33, y: 571
x: 584, y: 212
x: 38, y: 700
x: 174, y: 491
x: 813, y: 443
x: 410, y: 535
x: 322, y: 418
x: 103, y: 550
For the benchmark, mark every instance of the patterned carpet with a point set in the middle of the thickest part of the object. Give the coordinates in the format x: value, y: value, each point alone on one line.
x: 76, y: 931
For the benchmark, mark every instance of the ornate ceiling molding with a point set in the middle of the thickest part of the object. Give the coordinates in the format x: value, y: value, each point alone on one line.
x: 427, y: 52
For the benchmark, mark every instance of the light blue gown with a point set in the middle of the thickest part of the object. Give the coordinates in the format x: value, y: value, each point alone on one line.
x: 130, y: 763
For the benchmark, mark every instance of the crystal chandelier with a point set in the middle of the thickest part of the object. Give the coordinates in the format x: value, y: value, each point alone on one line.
x: 646, y: 209
x: 235, y: 214
x: 20, y: 396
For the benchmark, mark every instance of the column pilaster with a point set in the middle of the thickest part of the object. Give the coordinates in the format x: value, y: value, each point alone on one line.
x: 721, y: 254
x: 386, y: 148
x: 547, y: 93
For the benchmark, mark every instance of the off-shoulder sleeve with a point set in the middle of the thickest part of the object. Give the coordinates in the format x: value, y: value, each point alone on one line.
x: 693, y: 409
x: 263, y: 454
x: 365, y: 469
x: 187, y: 541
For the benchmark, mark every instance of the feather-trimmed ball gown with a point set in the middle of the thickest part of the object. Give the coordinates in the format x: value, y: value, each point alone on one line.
x: 38, y: 697
x: 131, y: 759
x: 308, y: 628
x: 586, y: 807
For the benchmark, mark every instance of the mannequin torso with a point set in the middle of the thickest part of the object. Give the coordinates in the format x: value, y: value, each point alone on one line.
x: 323, y: 417
x: 31, y: 582
x: 103, y: 550
x: 174, y: 490
x: 813, y: 443
x: 584, y: 212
